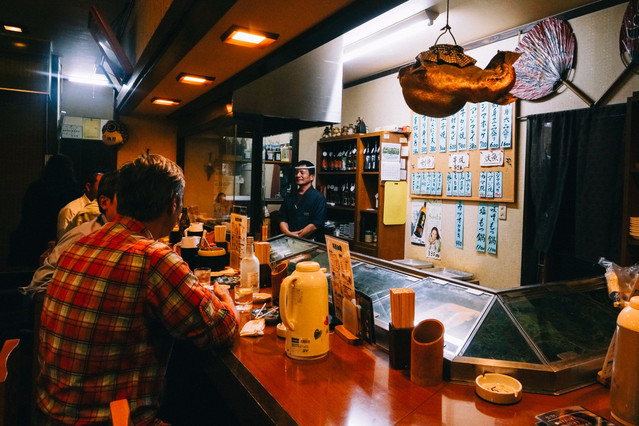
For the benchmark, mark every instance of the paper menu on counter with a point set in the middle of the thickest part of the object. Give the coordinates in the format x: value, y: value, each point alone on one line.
x: 237, y: 248
x: 339, y: 261
x: 575, y: 415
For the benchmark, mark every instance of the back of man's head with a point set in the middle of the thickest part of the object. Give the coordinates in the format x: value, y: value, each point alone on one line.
x: 107, y: 187
x: 147, y: 185
x: 91, y: 185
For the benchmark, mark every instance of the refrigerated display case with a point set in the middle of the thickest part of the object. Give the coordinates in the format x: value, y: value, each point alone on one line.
x: 552, y: 337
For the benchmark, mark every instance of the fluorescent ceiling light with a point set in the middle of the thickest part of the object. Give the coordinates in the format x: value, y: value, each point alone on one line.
x: 93, y: 79
x: 389, y: 19
x: 364, y: 47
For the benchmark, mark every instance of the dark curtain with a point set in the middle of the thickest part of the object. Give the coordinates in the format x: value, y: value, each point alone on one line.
x: 573, y: 195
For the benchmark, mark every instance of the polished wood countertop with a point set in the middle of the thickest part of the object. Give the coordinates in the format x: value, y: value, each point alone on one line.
x: 355, y: 385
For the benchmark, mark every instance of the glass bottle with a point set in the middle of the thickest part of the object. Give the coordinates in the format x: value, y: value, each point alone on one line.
x: 249, y: 278
x: 366, y: 158
x: 185, y: 222
x: 344, y: 159
x: 419, y: 228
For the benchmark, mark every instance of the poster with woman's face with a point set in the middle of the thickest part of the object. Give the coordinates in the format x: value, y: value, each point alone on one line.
x: 432, y: 229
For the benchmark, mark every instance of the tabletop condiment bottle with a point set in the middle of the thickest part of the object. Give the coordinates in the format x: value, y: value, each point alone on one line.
x: 624, y: 388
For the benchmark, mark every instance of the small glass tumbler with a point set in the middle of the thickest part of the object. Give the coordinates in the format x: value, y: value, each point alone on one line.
x: 203, y: 275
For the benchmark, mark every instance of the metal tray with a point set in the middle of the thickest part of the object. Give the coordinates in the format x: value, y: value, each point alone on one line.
x: 414, y: 263
x: 452, y: 273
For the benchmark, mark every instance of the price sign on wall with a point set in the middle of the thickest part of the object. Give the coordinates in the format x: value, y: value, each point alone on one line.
x: 473, y: 151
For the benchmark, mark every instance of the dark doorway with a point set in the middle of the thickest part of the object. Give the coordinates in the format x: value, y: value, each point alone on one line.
x: 573, y: 195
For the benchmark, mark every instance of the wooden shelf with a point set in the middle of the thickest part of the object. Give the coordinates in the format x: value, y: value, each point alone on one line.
x: 369, y: 192
x: 343, y: 208
x: 337, y: 172
x: 281, y: 163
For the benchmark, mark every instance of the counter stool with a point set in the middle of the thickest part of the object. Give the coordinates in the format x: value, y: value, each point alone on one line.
x: 8, y: 383
x: 120, y: 413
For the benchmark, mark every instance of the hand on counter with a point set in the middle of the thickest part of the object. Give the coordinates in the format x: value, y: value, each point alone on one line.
x: 223, y: 294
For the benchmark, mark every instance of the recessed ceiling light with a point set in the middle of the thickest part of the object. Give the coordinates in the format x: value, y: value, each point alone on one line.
x: 165, y: 101
x: 248, y: 38
x: 200, y: 80
x: 12, y: 28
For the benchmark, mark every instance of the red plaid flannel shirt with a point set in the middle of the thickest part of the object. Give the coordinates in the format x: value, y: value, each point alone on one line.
x: 111, y: 310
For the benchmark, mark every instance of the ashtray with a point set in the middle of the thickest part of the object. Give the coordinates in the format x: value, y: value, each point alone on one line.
x: 498, y: 388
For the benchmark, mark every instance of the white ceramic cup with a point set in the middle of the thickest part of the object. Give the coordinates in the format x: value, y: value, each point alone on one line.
x: 189, y: 242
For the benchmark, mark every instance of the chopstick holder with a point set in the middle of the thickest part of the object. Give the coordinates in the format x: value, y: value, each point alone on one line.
x: 401, y: 327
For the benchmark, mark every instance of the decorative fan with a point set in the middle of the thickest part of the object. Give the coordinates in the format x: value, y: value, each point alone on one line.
x: 547, y: 53
x: 114, y: 133
x: 628, y: 48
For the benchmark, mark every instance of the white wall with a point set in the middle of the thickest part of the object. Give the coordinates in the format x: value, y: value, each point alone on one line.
x: 380, y: 102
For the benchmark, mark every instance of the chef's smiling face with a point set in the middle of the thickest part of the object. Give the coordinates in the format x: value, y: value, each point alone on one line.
x: 303, y: 177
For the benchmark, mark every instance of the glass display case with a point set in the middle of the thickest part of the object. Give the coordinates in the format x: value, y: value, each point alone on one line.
x: 552, y: 337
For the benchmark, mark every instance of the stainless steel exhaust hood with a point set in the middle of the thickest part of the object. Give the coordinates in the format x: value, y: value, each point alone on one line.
x: 307, y: 89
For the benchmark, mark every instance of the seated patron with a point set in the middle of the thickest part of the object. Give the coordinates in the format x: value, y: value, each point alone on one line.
x: 108, y: 208
x: 221, y: 206
x: 117, y: 300
x: 68, y: 212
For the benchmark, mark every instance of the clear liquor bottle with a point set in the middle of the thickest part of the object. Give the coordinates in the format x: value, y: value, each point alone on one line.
x: 249, y: 278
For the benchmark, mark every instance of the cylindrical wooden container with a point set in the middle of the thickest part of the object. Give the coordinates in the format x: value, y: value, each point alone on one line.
x: 427, y: 353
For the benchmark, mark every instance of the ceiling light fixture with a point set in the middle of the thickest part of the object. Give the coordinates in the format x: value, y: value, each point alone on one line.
x: 12, y: 28
x: 165, y: 101
x: 248, y: 38
x: 198, y: 80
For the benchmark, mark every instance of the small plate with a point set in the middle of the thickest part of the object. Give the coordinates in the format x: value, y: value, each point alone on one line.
x: 498, y: 388
x: 261, y: 297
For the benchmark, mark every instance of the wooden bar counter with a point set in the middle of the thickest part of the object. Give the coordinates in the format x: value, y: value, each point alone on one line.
x: 355, y: 385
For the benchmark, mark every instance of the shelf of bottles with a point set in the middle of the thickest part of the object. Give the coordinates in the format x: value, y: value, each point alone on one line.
x: 339, y: 158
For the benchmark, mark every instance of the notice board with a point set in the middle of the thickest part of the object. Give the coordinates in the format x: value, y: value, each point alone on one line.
x: 470, y: 155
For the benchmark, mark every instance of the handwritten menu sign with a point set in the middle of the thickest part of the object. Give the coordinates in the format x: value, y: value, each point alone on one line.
x: 459, y: 225
x: 482, y: 213
x: 415, y: 135
x: 473, y: 149
x: 339, y: 261
x: 424, y: 140
x: 493, y: 223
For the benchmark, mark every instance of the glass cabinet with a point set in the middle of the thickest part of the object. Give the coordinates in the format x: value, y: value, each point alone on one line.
x: 552, y: 337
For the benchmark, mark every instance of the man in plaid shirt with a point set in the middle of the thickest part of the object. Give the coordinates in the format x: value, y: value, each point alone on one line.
x: 116, y: 301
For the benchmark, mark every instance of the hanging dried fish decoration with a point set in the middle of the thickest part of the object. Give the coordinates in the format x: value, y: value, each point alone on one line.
x: 443, y: 79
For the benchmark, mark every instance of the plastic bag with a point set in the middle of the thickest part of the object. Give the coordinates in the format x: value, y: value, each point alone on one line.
x: 622, y: 281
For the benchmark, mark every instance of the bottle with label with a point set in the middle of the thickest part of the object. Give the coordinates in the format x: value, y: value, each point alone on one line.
x: 419, y: 228
x: 249, y: 278
x: 366, y: 158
